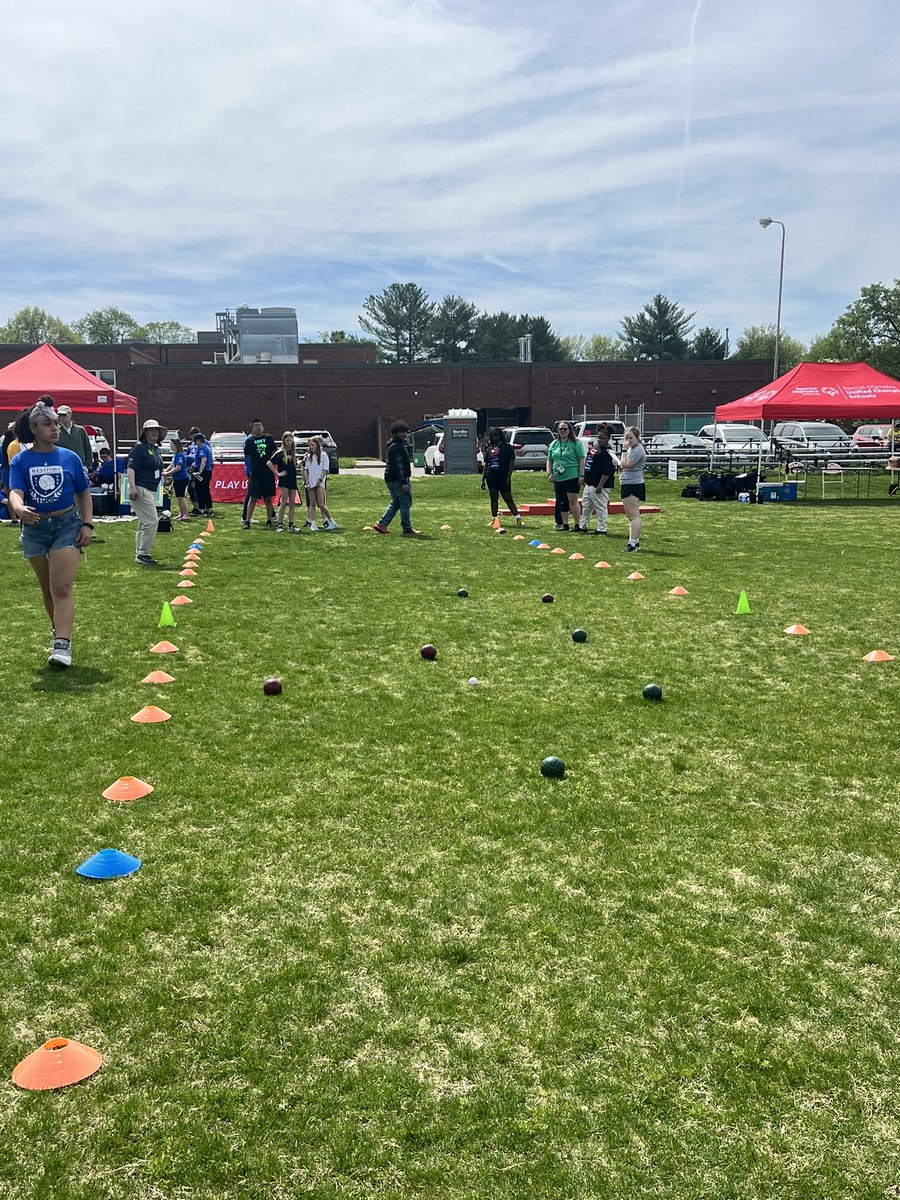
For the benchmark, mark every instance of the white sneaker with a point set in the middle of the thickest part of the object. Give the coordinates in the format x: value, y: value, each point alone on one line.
x: 61, y: 654
x: 313, y: 527
x: 332, y: 524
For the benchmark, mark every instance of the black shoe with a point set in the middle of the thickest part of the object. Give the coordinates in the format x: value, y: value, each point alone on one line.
x: 578, y: 529
x: 144, y: 560
x: 245, y: 524
x: 632, y: 546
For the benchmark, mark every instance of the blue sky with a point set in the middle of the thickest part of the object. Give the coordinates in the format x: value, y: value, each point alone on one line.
x: 564, y: 158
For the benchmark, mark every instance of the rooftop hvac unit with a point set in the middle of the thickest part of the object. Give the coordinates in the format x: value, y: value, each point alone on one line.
x: 264, y: 356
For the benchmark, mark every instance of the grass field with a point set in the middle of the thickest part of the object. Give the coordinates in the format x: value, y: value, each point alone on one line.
x: 372, y: 952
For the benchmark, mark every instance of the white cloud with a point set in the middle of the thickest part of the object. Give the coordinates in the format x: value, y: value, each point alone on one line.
x: 567, y: 158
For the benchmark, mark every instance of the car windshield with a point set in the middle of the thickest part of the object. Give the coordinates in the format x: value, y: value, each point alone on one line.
x: 824, y: 433
x: 306, y: 434
x: 743, y: 433
x: 224, y: 440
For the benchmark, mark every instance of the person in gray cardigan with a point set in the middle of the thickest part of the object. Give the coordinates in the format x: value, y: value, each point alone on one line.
x: 74, y: 437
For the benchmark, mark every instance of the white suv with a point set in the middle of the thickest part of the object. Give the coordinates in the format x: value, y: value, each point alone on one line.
x: 531, y: 443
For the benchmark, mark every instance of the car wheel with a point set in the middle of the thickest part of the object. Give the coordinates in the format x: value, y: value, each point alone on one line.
x: 334, y: 465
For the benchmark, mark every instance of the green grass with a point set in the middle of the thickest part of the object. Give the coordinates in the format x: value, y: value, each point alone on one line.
x: 371, y: 952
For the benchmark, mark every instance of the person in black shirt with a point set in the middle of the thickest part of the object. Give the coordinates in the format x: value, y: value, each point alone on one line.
x: 397, y: 474
x: 283, y: 465
x: 258, y: 449
x: 499, y: 460
x: 145, y: 468
x: 599, y: 473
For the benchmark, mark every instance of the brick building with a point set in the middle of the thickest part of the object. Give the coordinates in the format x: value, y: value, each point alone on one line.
x: 339, y: 388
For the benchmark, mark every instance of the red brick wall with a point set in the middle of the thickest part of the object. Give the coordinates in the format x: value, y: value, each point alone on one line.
x: 358, y: 402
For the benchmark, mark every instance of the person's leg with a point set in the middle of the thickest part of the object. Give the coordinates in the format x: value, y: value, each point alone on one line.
x: 574, y: 508
x: 394, y: 506
x: 633, y: 512
x: 41, y: 567
x: 510, y: 503
x: 323, y: 507
x: 406, y: 508
x: 602, y: 509
x: 63, y: 566
x: 561, y: 506
x: 494, y: 494
x: 144, y: 506
x: 587, y: 505
x: 192, y: 492
x: 205, y: 493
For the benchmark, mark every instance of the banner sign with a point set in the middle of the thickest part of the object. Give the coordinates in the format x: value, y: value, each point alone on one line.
x: 228, y: 484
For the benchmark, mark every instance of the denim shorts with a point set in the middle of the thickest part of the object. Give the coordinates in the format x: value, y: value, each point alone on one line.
x: 58, y: 533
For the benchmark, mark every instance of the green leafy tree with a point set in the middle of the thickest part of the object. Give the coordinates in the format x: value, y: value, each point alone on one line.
x: 661, y: 330
x: 496, y: 338
x: 167, y: 333
x: 452, y: 332
x: 599, y: 347
x: 546, y: 345
x: 867, y: 331
x: 31, y: 326
x: 708, y: 344
x: 399, y: 319
x: 107, y: 326
x: 758, y: 341
x: 340, y: 336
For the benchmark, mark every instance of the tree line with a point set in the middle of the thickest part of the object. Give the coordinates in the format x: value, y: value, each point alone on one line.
x: 406, y: 326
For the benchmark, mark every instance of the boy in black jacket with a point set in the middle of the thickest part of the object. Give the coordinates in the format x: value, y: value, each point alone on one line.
x: 599, y: 472
x: 397, y: 475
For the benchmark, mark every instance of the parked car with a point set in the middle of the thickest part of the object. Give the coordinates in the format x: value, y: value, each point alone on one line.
x: 329, y: 445
x: 734, y: 438
x: 873, y: 437
x: 585, y: 430
x: 228, y: 447
x: 97, y: 438
x: 812, y: 437
x: 530, y: 443
x: 677, y: 445
x: 434, y: 457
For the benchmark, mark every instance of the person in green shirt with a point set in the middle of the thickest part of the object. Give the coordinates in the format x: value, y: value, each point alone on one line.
x: 565, y: 470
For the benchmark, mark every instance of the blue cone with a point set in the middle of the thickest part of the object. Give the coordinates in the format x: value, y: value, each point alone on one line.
x: 196, y: 546
x: 535, y: 542
x: 108, y: 864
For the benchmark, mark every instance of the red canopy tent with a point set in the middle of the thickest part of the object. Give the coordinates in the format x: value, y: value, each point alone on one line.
x: 48, y: 372
x: 819, y: 391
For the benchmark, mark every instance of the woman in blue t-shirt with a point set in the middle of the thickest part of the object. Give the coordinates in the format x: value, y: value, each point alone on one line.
x: 177, y: 471
x: 50, y: 495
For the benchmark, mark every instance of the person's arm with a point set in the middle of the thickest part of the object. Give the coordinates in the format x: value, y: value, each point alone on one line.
x: 19, y: 509
x: 271, y: 465
x: 132, y: 485
x: 88, y: 457
x: 550, y: 449
x: 580, y: 451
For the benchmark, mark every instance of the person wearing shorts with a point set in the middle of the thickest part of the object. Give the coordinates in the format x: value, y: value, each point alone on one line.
x: 177, y: 471
x: 283, y: 465
x: 565, y: 470
x: 258, y: 449
x: 632, y: 486
x: 50, y: 496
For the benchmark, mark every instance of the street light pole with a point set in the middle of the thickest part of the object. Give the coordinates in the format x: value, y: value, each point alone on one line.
x: 766, y: 222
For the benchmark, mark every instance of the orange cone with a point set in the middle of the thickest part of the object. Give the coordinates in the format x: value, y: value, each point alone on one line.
x: 210, y: 528
x: 796, y: 629
x: 520, y: 537
x: 127, y: 788
x: 56, y: 1064
x: 163, y: 648
x: 186, y: 583
x: 158, y: 677
x: 444, y: 528
x: 678, y: 591
x: 543, y: 546
x: 602, y: 566
x: 495, y: 524
x: 575, y: 557
x: 181, y: 600
x: 635, y: 576
x: 192, y: 556
x: 558, y: 550
x: 879, y: 656
x: 151, y: 715
x: 188, y: 572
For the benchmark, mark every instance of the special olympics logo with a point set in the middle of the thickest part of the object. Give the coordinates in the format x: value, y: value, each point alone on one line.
x: 767, y: 394
x: 830, y: 391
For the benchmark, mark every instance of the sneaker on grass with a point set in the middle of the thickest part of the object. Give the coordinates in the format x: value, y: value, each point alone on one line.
x: 61, y: 654
x: 144, y: 560
x: 379, y: 528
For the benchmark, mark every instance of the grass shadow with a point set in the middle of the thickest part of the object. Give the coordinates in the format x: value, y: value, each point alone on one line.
x: 73, y: 679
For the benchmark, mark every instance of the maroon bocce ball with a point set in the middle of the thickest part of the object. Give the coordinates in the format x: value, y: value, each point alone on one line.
x: 546, y: 598
x: 429, y: 652
x: 272, y: 687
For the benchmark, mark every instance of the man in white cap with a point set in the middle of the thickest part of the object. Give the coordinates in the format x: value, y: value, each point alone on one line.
x: 74, y: 437
x: 145, y: 467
